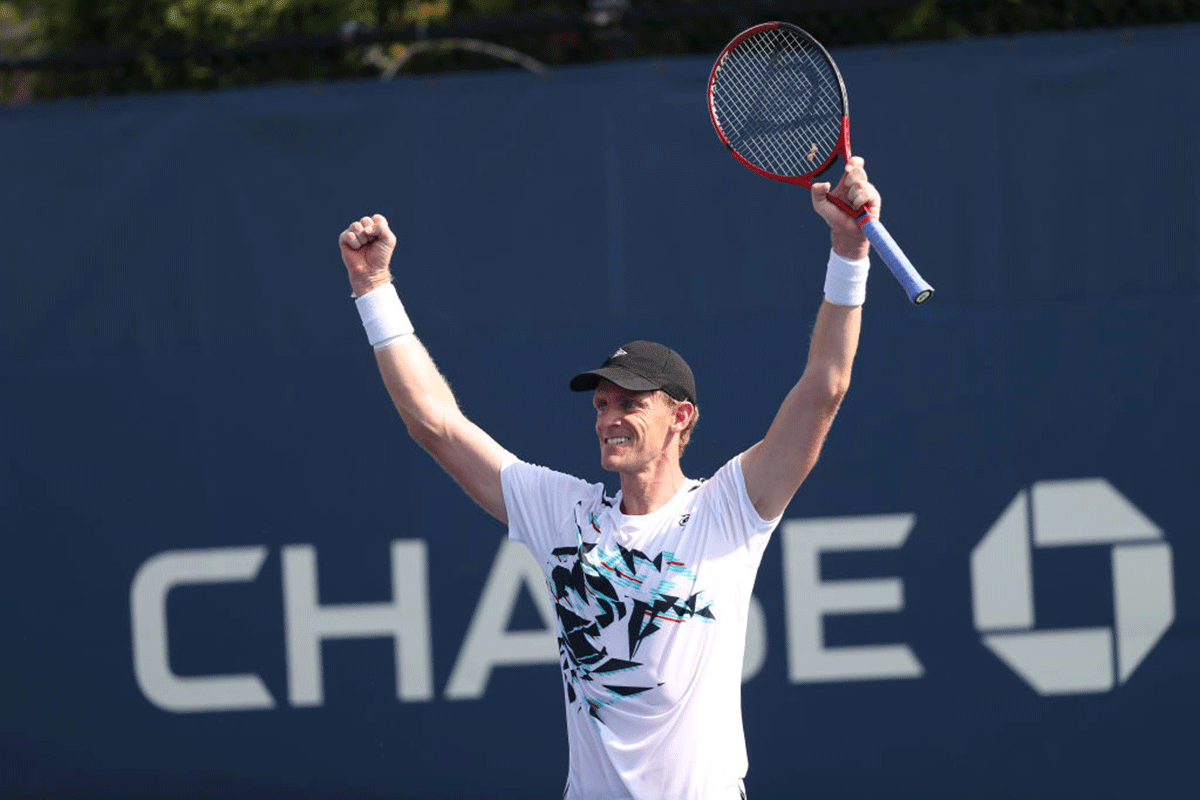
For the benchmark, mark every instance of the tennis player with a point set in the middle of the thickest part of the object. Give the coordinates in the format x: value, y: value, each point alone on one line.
x: 651, y: 585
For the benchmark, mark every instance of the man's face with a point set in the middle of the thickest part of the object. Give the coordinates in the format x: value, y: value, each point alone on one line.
x: 633, y: 427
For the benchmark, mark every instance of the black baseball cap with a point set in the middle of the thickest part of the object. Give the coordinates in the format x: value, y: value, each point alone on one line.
x: 642, y: 367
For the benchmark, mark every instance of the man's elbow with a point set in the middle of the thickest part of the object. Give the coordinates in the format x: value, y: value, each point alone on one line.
x: 838, y: 389
x: 430, y: 431
x: 826, y: 389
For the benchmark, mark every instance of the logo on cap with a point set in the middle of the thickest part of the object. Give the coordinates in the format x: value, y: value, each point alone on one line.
x: 620, y: 352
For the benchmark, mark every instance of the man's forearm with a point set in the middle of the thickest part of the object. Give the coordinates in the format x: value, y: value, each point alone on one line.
x: 832, y: 349
x: 418, y: 390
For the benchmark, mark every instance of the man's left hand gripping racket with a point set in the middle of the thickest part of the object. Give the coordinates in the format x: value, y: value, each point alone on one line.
x: 779, y: 104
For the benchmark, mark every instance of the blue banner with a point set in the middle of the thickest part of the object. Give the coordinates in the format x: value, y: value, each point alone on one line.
x: 230, y: 573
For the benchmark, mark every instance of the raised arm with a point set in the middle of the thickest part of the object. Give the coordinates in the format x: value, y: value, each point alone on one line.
x: 417, y: 389
x: 776, y: 466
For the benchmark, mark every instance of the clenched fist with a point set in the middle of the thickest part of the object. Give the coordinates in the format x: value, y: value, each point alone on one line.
x: 367, y: 246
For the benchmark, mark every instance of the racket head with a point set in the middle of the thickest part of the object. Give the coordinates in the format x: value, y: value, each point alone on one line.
x: 778, y: 103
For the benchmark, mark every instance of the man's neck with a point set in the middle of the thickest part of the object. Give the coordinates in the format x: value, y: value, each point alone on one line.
x: 649, y: 490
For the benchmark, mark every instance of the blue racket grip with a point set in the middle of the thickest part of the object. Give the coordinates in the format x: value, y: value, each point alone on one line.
x: 915, y: 286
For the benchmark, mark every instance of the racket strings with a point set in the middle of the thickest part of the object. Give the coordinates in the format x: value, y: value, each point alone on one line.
x: 779, y: 102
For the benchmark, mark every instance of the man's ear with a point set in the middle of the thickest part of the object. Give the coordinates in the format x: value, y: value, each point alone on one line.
x: 684, y: 412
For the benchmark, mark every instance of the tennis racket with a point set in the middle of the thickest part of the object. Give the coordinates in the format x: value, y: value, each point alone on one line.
x: 779, y: 104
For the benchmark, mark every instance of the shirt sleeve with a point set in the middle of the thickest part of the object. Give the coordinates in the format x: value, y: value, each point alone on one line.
x: 740, y: 523
x: 540, y: 503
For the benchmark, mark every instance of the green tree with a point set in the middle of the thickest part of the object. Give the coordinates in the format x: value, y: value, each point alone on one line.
x: 85, y: 47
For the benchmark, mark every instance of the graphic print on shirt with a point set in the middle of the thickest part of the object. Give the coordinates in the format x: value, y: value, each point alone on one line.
x: 595, y: 588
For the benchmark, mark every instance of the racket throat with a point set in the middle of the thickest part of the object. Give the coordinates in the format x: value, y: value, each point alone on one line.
x: 861, y: 216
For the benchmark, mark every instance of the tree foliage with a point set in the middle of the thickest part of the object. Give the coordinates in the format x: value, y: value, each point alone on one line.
x: 54, y: 48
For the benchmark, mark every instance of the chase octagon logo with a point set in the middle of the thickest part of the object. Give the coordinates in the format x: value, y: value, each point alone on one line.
x: 1072, y: 513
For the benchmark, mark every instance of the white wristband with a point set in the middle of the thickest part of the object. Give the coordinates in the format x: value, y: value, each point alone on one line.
x: 846, y: 281
x: 383, y: 316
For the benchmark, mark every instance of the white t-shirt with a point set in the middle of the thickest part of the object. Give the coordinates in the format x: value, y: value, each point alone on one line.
x: 651, y: 614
